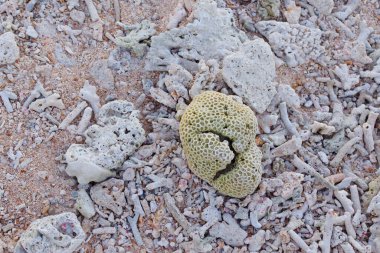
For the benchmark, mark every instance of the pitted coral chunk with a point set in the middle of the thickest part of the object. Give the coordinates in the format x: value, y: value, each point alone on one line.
x: 218, y: 137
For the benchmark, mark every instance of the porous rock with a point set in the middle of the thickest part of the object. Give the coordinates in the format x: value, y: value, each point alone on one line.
x: 9, y: 51
x: 116, y: 136
x: 211, y: 35
x: 218, y: 138
x: 250, y: 73
x: 60, y: 233
x: 109, y: 194
x: 269, y: 9
x: 136, y: 39
x: 295, y: 44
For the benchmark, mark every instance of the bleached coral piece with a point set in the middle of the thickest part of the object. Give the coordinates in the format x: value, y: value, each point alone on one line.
x: 178, y: 81
x: 322, y: 128
x: 159, y: 182
x: 178, y: 15
x: 162, y: 97
x: 250, y: 73
x: 38, y: 91
x: 175, y: 212
x: 9, y: 51
x: 246, y: 21
x: 288, y: 148
x: 324, y: 7
x: 135, y: 40
x: 61, y: 233
x: 7, y: 95
x: 72, y: 115
x: 343, y: 151
x: 374, y: 73
x: 54, y: 100
x: 294, y: 43
x: 192, y: 42
x: 267, y: 121
x: 110, y: 194
x: 347, y: 9
x: 205, y: 77
x: 345, y: 201
x: 88, y: 93
x: 92, y: 10
x: 292, y: 181
x: 85, y: 120
x: 229, y: 231
x: 355, y: 51
x: 107, y: 145
x: 256, y: 241
x: 348, y: 80
x: 292, y: 12
x: 285, y: 93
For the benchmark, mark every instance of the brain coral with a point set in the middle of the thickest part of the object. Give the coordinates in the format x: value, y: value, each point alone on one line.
x: 218, y: 138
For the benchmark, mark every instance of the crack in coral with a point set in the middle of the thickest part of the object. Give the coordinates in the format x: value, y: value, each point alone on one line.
x: 232, y: 164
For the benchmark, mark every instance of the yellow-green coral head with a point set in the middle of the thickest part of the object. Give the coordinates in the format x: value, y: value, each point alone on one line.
x: 218, y: 138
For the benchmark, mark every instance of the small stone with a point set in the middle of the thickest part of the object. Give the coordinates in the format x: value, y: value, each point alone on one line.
x: 9, y: 51
x: 84, y: 204
x: 31, y: 32
x: 77, y: 16
x: 129, y: 174
x: 182, y: 185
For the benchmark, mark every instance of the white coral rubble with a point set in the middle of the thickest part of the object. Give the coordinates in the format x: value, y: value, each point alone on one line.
x: 116, y: 136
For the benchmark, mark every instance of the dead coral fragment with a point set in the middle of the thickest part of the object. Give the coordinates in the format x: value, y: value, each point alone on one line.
x: 136, y: 39
x: 218, y: 137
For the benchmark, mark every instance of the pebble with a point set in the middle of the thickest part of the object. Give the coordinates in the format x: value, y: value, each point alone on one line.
x: 77, y: 16
x: 129, y: 174
x: 31, y: 32
x: 105, y: 230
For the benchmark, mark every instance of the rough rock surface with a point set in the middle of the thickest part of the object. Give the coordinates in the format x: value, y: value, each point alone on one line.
x: 117, y: 135
x: 295, y: 44
x: 109, y: 194
x: 9, y: 51
x: 211, y: 35
x: 250, y: 73
x: 229, y: 231
x: 218, y: 137
x: 60, y: 233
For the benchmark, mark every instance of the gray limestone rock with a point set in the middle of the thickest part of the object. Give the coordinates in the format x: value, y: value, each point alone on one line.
x: 250, y: 73
x: 60, y: 233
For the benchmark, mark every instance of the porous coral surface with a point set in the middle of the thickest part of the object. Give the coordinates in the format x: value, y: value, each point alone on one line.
x: 218, y: 137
